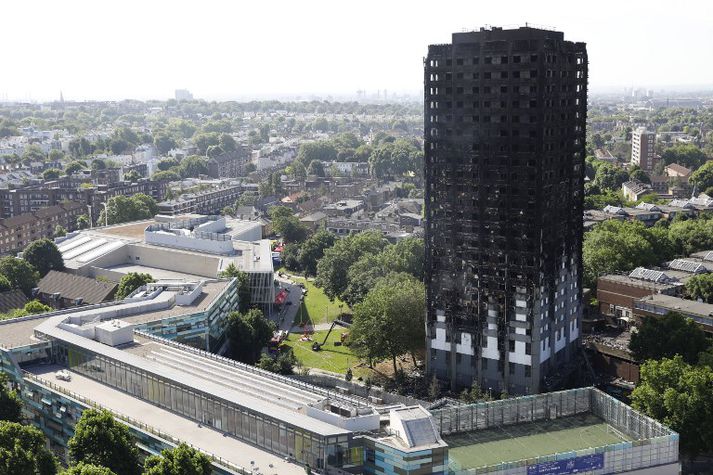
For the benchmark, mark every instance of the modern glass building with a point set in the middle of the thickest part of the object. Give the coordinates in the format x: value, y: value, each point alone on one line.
x: 128, y: 357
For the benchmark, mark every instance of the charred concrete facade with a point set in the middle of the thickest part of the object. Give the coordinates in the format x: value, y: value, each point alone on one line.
x: 504, y: 129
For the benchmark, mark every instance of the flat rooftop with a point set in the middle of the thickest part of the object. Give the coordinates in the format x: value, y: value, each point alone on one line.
x: 245, y: 386
x: 201, y: 436
x: 209, y: 293
x: 510, y: 443
x: 156, y: 273
x: 16, y: 332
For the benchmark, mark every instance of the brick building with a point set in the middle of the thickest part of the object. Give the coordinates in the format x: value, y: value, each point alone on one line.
x: 18, y: 231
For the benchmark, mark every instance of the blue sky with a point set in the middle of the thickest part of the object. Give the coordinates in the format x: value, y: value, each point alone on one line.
x: 113, y: 49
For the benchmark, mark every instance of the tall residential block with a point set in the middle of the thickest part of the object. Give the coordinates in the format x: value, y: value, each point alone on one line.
x: 504, y: 146
x: 642, y: 148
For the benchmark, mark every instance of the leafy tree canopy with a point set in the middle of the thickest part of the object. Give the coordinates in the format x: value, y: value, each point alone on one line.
x: 10, y: 402
x: 180, y: 460
x: 23, y: 451
x: 44, y: 256
x: 667, y: 336
x: 678, y: 395
x: 87, y: 469
x: 20, y: 273
x: 248, y: 334
x: 131, y: 282
x: 100, y: 440
x: 331, y: 269
x: 700, y: 287
x: 388, y: 323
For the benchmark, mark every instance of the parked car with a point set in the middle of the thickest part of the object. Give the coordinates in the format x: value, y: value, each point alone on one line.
x: 63, y: 375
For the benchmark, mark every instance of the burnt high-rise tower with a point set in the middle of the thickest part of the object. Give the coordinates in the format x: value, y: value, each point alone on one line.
x: 504, y: 133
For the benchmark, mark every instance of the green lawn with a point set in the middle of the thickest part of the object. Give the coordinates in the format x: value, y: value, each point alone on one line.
x: 316, y: 307
x: 330, y: 358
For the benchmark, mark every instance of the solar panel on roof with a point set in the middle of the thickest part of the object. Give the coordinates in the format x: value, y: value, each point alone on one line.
x: 688, y: 266
x: 708, y: 256
x: 643, y: 273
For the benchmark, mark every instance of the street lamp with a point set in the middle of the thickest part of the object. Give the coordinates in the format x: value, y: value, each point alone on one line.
x: 106, y: 214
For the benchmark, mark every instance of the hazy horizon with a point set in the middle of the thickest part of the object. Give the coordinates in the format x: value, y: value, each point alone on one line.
x: 227, y: 50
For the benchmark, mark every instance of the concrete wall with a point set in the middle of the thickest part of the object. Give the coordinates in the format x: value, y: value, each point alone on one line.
x: 168, y: 259
x: 172, y: 240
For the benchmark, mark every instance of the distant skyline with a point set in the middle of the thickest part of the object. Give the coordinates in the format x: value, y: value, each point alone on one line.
x: 237, y: 50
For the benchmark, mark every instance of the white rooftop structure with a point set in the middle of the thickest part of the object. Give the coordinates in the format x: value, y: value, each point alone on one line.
x: 182, y: 247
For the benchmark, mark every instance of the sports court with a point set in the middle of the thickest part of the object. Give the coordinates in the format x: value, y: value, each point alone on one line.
x: 509, y: 443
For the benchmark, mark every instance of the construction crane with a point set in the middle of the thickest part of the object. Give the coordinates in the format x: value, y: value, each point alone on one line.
x: 317, y: 346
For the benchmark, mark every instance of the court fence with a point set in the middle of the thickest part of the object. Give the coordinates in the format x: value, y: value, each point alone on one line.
x: 652, y: 443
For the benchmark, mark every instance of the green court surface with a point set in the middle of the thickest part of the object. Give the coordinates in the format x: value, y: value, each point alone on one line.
x: 533, y: 439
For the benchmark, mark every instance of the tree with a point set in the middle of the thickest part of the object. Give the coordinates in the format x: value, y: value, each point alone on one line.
x: 98, y: 164
x: 620, y: 246
x: 83, y: 221
x: 227, y: 143
x: 193, y: 166
x: 44, y: 256
x: 312, y: 250
x: 332, y: 268
x: 640, y: 175
x: 244, y: 292
x: 283, y: 363
x: 121, y: 209
x: 80, y: 147
x: 388, y: 323
x: 205, y: 140
x: 180, y: 460
x: 287, y: 225
x: 164, y: 143
x: 10, y: 402
x: 362, y: 276
x: 168, y: 175
x: 678, y: 395
x: 700, y: 287
x: 131, y: 282
x: 315, y: 168
x: 35, y: 306
x: 667, y: 336
x: 60, y: 231
x: 20, y: 273
x: 214, y: 151
x: 692, y: 235
x: 323, y: 151
x: 74, y: 167
x: 87, y: 469
x: 51, y: 174
x: 167, y: 164
x: 703, y: 177
x: 610, y: 177
x: 100, y: 440
x: 4, y: 284
x: 688, y: 155
x: 132, y: 175
x: 248, y: 334
x: 23, y: 451
x: 296, y: 170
